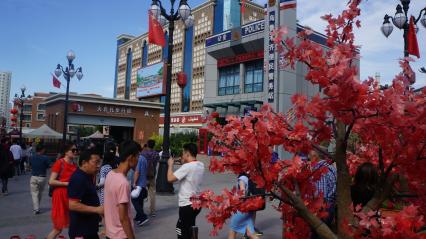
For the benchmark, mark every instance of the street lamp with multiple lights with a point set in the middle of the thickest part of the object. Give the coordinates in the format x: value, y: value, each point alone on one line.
x: 69, y: 72
x: 21, y: 99
x: 401, y: 21
x: 184, y: 14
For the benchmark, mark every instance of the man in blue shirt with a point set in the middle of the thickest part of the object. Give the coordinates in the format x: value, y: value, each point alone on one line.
x: 140, y: 192
x: 85, y: 209
x: 152, y: 158
x: 39, y: 164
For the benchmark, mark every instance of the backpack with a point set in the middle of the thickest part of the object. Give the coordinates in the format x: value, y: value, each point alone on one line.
x: 151, y: 157
x: 150, y: 174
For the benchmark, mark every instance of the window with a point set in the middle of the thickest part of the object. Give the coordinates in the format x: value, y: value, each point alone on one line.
x: 28, y: 125
x: 26, y: 117
x: 254, y: 77
x: 41, y: 107
x: 28, y: 108
x: 40, y: 116
x: 229, y: 80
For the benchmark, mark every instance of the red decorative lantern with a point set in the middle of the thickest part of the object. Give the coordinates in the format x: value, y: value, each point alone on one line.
x: 181, y: 79
x: 14, y: 111
x: 215, y: 115
x: 13, y: 119
x: 74, y: 107
x: 13, y: 125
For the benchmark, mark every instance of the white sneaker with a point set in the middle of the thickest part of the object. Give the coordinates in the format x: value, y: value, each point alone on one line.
x: 141, y: 223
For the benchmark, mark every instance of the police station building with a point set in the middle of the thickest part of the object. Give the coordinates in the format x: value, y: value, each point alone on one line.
x: 244, y: 70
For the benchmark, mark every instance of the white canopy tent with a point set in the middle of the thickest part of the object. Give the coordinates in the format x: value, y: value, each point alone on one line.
x: 43, y: 132
x: 96, y: 135
x: 24, y: 130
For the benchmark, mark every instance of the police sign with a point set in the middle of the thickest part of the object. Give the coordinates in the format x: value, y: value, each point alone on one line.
x: 254, y: 27
x: 219, y: 38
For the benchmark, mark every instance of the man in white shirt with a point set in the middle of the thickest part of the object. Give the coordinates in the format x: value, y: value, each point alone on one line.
x: 17, y: 155
x: 190, y: 176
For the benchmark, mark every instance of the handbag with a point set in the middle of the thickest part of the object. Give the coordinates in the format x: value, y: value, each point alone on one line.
x: 52, y: 188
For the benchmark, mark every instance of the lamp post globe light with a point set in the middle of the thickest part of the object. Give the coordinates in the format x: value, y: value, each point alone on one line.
x: 20, y: 100
x: 69, y: 72
x: 401, y: 20
x: 183, y: 13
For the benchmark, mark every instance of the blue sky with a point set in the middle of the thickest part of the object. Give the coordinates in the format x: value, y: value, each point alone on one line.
x: 35, y: 35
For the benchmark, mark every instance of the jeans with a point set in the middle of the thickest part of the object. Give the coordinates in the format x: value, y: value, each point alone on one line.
x: 37, y: 185
x: 4, y: 181
x: 138, y: 205
x: 17, y: 167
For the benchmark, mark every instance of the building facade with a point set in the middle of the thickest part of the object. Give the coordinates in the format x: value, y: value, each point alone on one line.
x: 189, y: 56
x: 120, y: 119
x: 244, y: 69
x: 34, y: 110
x: 5, y: 82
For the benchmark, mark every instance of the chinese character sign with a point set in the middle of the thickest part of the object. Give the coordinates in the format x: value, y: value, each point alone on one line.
x: 113, y: 109
x: 188, y: 119
x: 271, y: 54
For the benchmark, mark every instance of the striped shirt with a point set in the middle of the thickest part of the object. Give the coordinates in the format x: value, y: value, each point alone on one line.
x: 327, y: 183
x: 102, y: 174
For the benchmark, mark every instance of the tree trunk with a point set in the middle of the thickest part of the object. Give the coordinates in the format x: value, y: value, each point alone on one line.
x: 319, y: 226
x: 344, y: 201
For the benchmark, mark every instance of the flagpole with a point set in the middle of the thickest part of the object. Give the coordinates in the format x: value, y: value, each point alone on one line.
x: 69, y: 73
x: 404, y: 21
x: 162, y: 184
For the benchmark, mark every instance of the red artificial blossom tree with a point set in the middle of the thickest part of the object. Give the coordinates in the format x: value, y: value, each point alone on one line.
x: 388, y: 123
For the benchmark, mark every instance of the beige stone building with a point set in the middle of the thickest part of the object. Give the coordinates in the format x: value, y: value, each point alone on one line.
x: 189, y: 54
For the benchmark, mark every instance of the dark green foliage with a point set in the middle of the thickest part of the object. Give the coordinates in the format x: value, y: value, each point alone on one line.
x: 176, y: 142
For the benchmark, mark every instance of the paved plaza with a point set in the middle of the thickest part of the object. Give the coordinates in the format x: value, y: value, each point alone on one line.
x: 16, y: 216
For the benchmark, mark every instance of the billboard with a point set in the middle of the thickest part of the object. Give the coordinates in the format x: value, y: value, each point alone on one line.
x: 151, y: 81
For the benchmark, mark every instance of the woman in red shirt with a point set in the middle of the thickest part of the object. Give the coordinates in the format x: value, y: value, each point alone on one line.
x: 59, y: 178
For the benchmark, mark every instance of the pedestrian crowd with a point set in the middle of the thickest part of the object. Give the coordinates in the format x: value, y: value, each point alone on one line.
x: 14, y: 161
x: 92, y: 192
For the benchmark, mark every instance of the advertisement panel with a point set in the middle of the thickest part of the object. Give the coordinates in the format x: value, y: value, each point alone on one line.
x: 150, y: 81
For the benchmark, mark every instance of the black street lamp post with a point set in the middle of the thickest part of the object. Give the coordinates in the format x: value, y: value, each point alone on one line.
x: 21, y: 100
x: 401, y: 20
x: 183, y: 13
x: 69, y: 73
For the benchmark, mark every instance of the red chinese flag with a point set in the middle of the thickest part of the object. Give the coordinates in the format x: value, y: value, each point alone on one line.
x: 413, y: 46
x: 56, y: 82
x: 243, y: 6
x: 155, y: 32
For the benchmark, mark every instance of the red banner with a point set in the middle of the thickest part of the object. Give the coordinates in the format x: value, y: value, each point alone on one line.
x: 240, y: 58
